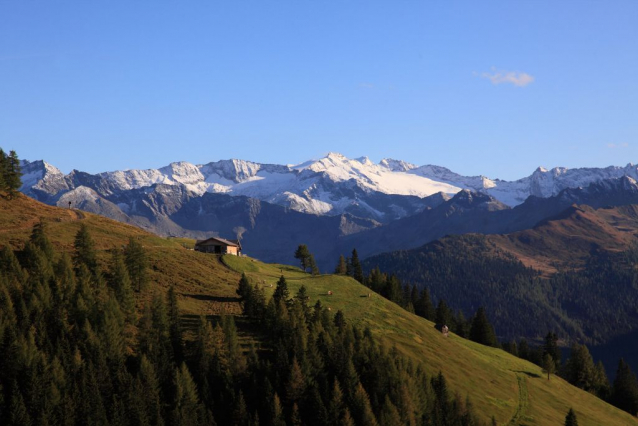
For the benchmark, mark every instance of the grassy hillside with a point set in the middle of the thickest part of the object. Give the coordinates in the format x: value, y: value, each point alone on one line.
x: 205, y: 285
x: 513, y: 390
x: 498, y: 384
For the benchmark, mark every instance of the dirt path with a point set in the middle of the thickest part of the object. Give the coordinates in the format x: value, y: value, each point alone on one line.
x: 522, y: 400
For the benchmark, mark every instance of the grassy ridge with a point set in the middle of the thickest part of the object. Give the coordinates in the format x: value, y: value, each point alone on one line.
x: 204, y: 284
x: 499, y: 384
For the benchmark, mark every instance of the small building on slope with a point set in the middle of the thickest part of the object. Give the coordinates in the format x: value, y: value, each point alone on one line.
x: 218, y: 245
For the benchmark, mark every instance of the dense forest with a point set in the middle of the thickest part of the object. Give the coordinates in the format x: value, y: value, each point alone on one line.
x: 589, y: 305
x: 77, y: 351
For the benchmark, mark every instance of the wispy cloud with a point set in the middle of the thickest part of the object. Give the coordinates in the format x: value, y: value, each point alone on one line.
x: 617, y: 145
x: 517, y: 78
x: 366, y: 85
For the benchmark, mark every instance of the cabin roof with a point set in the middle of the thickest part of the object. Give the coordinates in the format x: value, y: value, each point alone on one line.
x: 213, y: 240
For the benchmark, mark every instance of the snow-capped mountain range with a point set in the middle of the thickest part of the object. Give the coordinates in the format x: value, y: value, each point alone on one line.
x: 329, y: 186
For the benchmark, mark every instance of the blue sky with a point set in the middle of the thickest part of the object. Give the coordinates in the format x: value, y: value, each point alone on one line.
x: 494, y: 88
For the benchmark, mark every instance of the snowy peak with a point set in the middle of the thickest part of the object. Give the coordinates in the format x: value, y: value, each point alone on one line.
x: 331, y: 185
x: 397, y: 165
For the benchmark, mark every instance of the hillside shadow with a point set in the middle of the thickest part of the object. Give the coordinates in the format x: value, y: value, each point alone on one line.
x: 210, y: 298
x: 528, y: 374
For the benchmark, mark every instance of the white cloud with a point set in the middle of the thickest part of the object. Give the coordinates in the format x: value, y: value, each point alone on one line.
x: 617, y: 145
x: 517, y: 78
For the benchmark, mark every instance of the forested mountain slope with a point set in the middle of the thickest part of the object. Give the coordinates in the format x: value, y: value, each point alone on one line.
x: 116, y: 361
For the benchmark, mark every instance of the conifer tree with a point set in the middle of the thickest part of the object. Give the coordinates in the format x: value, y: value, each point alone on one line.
x: 12, y: 174
x: 18, y: 412
x: 303, y: 255
x: 186, y: 409
x: 570, y: 419
x: 548, y: 365
x: 443, y: 315
x: 551, y: 347
x: 175, y: 325
x: 392, y: 290
x: 336, y: 406
x: 278, y: 418
x: 240, y: 414
x: 340, y: 320
x: 316, y: 413
x: 314, y: 270
x: 84, y: 253
x: 244, y: 289
x: 40, y: 240
x: 342, y: 268
x: 357, y: 270
x: 281, y: 292
x: 296, y: 384
x: 137, y: 264
x: 481, y: 330
x: 347, y: 419
x: 4, y: 167
x: 361, y: 408
x: 625, y: 389
x: 389, y: 414
x: 579, y: 369
x: 120, y: 282
x: 295, y: 417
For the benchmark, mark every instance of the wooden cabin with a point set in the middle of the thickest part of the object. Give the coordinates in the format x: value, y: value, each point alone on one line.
x: 218, y: 245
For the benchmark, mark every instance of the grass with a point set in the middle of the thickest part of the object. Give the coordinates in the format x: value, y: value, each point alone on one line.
x: 497, y: 383
x: 203, y: 284
x: 513, y: 390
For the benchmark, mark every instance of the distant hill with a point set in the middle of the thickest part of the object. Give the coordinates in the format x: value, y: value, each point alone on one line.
x: 574, y: 274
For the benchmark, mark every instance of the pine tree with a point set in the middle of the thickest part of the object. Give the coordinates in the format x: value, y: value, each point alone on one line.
x: 186, y: 408
x: 18, y: 412
x: 314, y: 270
x: 120, y: 282
x: 392, y: 290
x: 389, y: 414
x: 244, y: 289
x: 137, y: 263
x: 281, y: 292
x: 84, y: 253
x: 335, y: 407
x: 240, y: 414
x: 361, y: 408
x: 340, y: 320
x: 175, y: 325
x: 481, y: 330
x: 570, y: 419
x: 12, y: 174
x: 625, y: 389
x: 4, y: 167
x: 278, y: 418
x: 551, y: 347
x: 443, y: 315
x: 357, y: 270
x: 548, y: 365
x: 316, y: 413
x: 303, y: 255
x: 41, y: 241
x: 579, y: 369
x: 342, y: 268
x: 296, y: 384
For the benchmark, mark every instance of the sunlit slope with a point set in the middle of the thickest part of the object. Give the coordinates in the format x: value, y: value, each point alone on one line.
x: 203, y: 284
x: 499, y: 384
